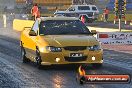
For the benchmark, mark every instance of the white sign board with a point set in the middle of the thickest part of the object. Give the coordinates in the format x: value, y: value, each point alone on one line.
x: 115, y: 37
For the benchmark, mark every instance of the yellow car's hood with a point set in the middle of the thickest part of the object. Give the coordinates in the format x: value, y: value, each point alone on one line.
x: 70, y: 40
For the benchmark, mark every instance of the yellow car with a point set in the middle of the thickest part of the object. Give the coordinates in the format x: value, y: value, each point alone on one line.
x: 60, y: 40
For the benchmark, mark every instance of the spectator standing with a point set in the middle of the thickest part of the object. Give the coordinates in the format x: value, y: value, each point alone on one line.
x: 106, y: 12
x: 56, y: 8
x: 35, y: 11
x: 39, y: 14
x: 83, y: 19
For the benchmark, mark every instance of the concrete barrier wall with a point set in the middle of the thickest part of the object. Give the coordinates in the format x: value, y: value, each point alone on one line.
x: 19, y: 24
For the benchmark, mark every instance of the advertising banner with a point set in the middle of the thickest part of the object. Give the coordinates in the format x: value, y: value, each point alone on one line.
x: 115, y: 37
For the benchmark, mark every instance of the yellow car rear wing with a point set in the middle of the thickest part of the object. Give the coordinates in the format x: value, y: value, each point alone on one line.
x: 19, y: 24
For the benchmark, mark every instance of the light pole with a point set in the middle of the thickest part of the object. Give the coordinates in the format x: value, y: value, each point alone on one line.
x: 84, y: 2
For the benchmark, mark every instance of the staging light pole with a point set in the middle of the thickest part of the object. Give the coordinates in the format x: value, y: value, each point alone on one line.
x: 72, y: 2
x: 84, y: 2
x: 120, y: 8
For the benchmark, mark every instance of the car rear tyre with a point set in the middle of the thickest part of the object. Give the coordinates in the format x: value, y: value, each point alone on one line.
x: 23, y: 56
x: 97, y: 65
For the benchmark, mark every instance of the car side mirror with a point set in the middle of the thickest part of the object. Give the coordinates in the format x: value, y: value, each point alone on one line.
x: 94, y: 32
x: 32, y: 33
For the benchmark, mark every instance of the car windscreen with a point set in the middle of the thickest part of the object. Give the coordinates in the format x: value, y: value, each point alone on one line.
x: 94, y: 8
x: 63, y: 27
x: 83, y: 8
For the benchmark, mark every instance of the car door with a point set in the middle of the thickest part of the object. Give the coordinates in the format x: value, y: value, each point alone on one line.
x: 32, y: 41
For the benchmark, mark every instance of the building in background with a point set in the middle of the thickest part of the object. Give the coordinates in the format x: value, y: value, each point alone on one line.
x: 9, y: 4
x: 50, y: 5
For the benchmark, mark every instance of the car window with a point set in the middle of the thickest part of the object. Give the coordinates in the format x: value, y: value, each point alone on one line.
x: 94, y: 8
x: 83, y: 8
x: 72, y: 9
x: 63, y: 27
x: 36, y: 26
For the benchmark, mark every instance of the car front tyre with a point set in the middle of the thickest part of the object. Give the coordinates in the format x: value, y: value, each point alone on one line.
x: 38, y: 62
x: 38, y: 59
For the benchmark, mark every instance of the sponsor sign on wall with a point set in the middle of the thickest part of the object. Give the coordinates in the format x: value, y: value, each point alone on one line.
x: 115, y: 38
